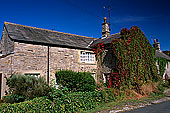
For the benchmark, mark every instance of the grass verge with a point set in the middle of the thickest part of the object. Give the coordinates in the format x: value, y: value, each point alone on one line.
x: 116, y: 105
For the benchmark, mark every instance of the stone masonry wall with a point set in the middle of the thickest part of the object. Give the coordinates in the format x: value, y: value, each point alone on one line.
x: 109, y: 61
x: 7, y: 45
x: 29, y: 58
x: 5, y: 70
x: 68, y: 59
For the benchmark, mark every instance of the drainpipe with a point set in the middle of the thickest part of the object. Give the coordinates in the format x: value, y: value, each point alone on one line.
x: 11, y: 62
x: 48, y: 64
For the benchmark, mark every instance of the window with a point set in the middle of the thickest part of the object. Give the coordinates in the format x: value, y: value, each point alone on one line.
x: 87, y: 57
x: 33, y: 74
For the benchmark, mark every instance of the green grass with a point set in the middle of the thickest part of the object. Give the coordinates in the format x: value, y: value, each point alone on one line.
x: 115, y: 105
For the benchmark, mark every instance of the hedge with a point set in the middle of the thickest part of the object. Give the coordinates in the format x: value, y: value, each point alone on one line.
x: 76, y: 101
x: 76, y: 81
x: 62, y: 102
x: 41, y: 104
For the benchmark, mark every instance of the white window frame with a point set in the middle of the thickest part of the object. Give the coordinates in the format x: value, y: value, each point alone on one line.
x: 87, y: 57
x: 33, y: 74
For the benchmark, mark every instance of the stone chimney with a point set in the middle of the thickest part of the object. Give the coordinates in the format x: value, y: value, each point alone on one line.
x: 156, y: 44
x: 105, y: 29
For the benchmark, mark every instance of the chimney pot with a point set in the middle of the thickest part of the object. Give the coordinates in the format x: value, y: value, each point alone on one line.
x: 154, y: 40
x: 156, y: 44
x: 105, y: 20
x: 105, y: 29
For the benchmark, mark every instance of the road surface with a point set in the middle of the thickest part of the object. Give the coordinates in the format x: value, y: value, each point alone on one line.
x: 163, y: 107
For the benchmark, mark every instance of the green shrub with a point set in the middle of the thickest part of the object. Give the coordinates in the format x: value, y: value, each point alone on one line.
x: 109, y: 94
x: 13, y: 98
x: 38, y: 105
x: 160, y: 88
x: 60, y: 101
x: 76, y: 81
x: 23, y: 87
x: 65, y: 101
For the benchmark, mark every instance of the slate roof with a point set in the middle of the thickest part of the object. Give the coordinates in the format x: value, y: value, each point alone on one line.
x: 162, y: 55
x: 22, y: 33
x: 106, y: 40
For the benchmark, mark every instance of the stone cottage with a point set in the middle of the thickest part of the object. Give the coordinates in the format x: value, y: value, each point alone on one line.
x: 41, y: 52
x: 159, y: 53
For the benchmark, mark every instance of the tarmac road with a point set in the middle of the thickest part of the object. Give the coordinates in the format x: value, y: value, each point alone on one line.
x: 163, y: 107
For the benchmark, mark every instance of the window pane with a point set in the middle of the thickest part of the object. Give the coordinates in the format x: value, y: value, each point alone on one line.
x: 33, y: 74
x: 87, y: 57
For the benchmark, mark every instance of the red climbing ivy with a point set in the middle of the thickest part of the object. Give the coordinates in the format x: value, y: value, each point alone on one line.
x: 135, y: 62
x: 99, y: 50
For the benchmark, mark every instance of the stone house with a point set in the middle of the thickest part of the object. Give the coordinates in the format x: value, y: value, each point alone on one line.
x: 159, y: 53
x: 41, y: 52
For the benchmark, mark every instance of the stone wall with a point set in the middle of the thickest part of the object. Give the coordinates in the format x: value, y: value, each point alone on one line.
x: 29, y: 58
x: 6, y: 70
x: 109, y: 60
x: 68, y: 59
x: 7, y: 45
x: 167, y: 71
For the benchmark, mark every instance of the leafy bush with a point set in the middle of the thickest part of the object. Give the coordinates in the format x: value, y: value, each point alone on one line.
x: 65, y: 101
x: 13, y: 98
x: 38, y: 105
x: 59, y: 101
x: 62, y: 100
x: 25, y: 87
x: 76, y: 81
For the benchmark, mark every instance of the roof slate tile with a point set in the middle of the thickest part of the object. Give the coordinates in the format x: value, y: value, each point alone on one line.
x: 43, y: 36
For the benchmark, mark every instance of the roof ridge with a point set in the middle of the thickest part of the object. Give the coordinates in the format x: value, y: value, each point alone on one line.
x: 46, y: 29
x: 115, y: 34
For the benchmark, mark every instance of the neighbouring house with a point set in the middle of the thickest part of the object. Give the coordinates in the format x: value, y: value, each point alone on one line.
x: 160, y: 54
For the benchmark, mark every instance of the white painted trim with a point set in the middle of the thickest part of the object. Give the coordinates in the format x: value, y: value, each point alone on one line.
x: 79, y: 59
x: 32, y: 71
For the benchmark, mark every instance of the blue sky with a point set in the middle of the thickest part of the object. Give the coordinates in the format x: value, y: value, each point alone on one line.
x: 84, y: 17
